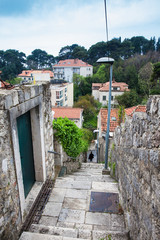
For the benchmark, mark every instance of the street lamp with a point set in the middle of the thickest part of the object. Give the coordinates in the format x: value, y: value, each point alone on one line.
x: 97, y: 131
x: 107, y: 60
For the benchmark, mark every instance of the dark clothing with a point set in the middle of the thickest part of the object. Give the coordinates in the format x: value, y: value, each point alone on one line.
x: 91, y: 156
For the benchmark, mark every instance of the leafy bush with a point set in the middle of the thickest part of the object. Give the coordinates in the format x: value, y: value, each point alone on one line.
x: 72, y: 138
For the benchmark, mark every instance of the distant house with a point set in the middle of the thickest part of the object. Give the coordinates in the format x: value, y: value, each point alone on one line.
x: 62, y: 94
x: 102, y: 121
x: 73, y: 114
x: 114, y: 119
x: 100, y: 91
x: 37, y: 75
x: 130, y: 111
x: 64, y: 69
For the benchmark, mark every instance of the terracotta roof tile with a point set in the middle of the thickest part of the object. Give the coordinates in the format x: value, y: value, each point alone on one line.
x: 71, y: 113
x: 132, y: 110
x: 27, y: 73
x: 123, y: 86
x: 72, y: 63
x: 104, y: 117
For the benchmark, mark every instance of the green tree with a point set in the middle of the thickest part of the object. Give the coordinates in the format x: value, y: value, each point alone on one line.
x: 155, y: 79
x: 90, y: 110
x: 40, y: 59
x: 11, y: 63
x: 128, y: 99
x: 70, y: 136
x: 144, y: 77
x: 97, y: 51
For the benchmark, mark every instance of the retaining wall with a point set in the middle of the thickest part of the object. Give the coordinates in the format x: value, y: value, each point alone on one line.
x: 136, y: 155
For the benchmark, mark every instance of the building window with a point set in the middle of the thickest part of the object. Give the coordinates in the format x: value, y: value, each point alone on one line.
x: 104, y: 98
x: 115, y: 88
x: 112, y: 98
x: 65, y: 98
x: 65, y: 89
x: 59, y: 94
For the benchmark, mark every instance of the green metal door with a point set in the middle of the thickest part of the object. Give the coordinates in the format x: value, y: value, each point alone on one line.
x: 26, y: 151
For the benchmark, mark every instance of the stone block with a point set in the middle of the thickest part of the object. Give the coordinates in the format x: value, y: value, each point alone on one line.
x: 8, y: 102
x: 57, y: 195
x: 73, y: 203
x: 27, y: 93
x: 98, y: 219
x: 15, y: 98
x: 73, y: 216
x: 155, y: 158
x: 52, y: 209
x: 20, y: 95
x: 74, y: 193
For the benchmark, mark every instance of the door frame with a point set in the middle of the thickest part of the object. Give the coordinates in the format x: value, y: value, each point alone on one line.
x: 35, y: 107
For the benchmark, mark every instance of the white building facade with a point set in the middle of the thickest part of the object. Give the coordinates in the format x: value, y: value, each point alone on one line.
x: 100, y: 91
x: 64, y: 70
x: 62, y: 94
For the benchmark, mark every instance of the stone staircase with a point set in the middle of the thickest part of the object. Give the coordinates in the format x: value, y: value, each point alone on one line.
x: 66, y: 215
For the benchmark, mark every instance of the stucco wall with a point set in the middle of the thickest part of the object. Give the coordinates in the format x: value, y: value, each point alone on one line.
x: 13, y: 103
x: 136, y: 156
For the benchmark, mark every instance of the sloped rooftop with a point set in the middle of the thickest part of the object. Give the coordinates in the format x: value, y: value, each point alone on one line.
x: 71, y: 113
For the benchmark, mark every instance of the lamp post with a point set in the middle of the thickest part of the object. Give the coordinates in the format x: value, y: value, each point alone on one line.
x: 107, y: 60
x: 97, y: 131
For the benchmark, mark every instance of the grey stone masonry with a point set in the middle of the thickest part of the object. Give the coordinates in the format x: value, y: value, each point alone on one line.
x: 135, y: 155
x: 14, y: 103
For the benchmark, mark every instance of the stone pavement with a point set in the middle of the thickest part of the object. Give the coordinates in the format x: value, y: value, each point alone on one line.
x: 66, y: 215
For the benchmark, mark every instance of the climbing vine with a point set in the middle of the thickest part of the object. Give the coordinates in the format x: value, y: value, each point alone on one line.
x: 121, y: 114
x: 70, y: 136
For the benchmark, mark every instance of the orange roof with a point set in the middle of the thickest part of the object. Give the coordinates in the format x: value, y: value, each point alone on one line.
x: 27, y: 73
x: 72, y: 63
x: 103, y: 87
x: 132, y: 110
x: 4, y: 83
x: 71, y: 113
x: 104, y: 117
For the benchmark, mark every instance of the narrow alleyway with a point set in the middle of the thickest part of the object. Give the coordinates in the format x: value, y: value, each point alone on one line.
x: 67, y: 215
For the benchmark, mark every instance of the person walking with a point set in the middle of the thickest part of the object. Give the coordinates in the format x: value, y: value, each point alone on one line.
x: 91, y: 156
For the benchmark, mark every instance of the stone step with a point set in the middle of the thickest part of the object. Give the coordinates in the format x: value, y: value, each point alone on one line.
x: 79, y: 232
x: 38, y: 236
x: 76, y: 232
x: 113, y: 235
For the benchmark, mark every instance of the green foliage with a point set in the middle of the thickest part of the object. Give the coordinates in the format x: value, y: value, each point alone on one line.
x: 90, y: 110
x: 121, y: 114
x: 144, y: 77
x: 40, y: 59
x: 11, y: 63
x: 155, y: 77
x: 15, y: 81
x: 72, y: 138
x: 128, y: 99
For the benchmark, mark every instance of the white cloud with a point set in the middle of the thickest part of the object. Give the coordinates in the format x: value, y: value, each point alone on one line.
x: 52, y: 27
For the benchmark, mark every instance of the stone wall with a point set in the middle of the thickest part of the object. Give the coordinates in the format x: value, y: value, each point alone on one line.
x: 12, y: 102
x: 136, y: 155
x: 62, y: 159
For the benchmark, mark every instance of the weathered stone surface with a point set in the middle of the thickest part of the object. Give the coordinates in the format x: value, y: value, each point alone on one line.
x: 52, y: 209
x: 98, y: 219
x: 74, y: 193
x: 18, y: 100
x: 137, y: 171
x: 57, y: 195
x: 73, y: 203
x: 73, y: 216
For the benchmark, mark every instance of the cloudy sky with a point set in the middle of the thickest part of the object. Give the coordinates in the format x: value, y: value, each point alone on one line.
x: 53, y: 24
